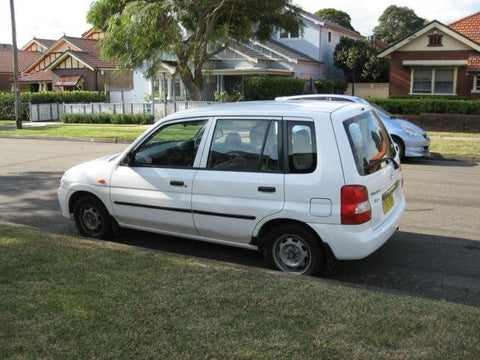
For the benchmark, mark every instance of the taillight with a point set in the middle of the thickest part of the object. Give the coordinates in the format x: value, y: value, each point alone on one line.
x: 355, y: 205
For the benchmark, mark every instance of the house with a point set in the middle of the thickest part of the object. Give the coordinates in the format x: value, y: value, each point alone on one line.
x: 73, y: 63
x: 437, y: 60
x: 6, y: 67
x: 306, y: 54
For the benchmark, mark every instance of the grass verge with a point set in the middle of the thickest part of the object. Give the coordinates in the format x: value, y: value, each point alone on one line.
x: 455, y: 144
x: 64, y: 297
x: 127, y: 132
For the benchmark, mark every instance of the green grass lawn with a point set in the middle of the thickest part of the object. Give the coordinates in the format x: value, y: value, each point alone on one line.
x: 71, y: 298
x: 127, y: 132
x: 455, y: 143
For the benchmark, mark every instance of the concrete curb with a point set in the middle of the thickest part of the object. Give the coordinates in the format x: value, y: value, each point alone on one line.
x: 433, y: 157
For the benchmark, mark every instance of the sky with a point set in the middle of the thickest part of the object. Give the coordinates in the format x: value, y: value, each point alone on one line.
x: 50, y: 19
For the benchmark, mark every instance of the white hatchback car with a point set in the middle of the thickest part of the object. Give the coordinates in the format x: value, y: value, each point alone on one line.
x: 294, y: 180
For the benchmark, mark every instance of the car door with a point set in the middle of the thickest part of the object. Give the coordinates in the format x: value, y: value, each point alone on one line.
x: 241, y: 180
x: 153, y: 189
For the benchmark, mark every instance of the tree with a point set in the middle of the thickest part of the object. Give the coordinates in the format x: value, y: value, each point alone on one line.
x: 337, y: 16
x: 187, y: 32
x: 359, y: 61
x: 396, y: 23
x: 18, y: 119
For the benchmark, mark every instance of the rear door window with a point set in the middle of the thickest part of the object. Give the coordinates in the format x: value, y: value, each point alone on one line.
x: 302, y: 150
x: 369, y: 141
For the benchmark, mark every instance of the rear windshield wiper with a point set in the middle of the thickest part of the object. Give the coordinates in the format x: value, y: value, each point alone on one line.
x: 384, y: 159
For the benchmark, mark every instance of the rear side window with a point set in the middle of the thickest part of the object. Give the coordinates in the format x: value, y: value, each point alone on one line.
x: 245, y: 145
x: 369, y: 142
x: 302, y: 150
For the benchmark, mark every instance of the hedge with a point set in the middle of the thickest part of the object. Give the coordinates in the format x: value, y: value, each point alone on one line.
x: 268, y: 88
x: 331, y: 86
x: 141, y: 119
x: 7, y: 100
x: 422, y: 105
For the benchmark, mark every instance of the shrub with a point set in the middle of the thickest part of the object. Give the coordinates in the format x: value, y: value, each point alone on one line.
x: 7, y: 100
x: 268, y: 88
x: 331, y: 86
x: 140, y: 119
x: 223, y: 96
x: 414, y: 106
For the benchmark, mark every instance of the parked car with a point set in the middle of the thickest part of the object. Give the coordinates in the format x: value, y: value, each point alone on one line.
x: 301, y: 183
x: 412, y: 140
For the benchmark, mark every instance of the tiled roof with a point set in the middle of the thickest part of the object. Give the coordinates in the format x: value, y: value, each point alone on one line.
x: 25, y: 58
x: 468, y: 26
x: 42, y: 75
x: 473, y: 64
x: 68, y: 80
x: 288, y: 52
x: 46, y: 42
x: 91, y: 54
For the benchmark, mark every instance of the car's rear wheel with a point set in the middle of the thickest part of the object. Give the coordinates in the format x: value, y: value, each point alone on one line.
x: 293, y: 249
x: 92, y: 218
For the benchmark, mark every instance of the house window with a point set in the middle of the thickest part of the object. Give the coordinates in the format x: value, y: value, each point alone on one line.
x: 476, y: 84
x: 329, y: 37
x: 435, y: 40
x: 284, y: 34
x: 433, y: 81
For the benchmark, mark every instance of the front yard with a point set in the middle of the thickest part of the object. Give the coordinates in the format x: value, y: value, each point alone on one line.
x: 70, y: 298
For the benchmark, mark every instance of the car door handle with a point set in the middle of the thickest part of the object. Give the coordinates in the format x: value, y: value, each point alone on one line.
x: 269, y: 189
x: 177, y: 183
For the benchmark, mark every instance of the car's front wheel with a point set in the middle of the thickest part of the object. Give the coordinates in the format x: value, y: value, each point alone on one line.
x: 92, y: 218
x: 293, y: 249
x: 400, y: 146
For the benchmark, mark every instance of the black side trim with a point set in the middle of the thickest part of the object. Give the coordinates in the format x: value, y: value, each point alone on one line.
x: 245, y: 217
x: 152, y: 207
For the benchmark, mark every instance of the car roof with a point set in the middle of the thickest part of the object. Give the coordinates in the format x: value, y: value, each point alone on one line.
x: 262, y: 108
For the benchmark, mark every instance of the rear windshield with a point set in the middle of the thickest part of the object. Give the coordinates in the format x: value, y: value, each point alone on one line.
x: 369, y: 142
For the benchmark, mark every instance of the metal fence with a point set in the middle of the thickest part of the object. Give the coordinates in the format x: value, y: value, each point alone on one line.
x: 53, y: 112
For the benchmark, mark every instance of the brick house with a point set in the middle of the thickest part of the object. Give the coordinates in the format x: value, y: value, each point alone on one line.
x: 72, y: 63
x: 437, y: 60
x: 6, y: 67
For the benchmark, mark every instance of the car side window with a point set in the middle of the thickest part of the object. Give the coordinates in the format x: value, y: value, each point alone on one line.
x: 302, y: 150
x: 245, y: 145
x: 172, y: 145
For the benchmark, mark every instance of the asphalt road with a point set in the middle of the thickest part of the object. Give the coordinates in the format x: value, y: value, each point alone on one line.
x: 436, y: 253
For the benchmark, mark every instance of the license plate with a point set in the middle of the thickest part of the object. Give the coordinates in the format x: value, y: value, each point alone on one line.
x: 387, y: 203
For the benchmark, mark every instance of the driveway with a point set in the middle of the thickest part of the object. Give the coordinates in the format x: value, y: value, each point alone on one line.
x: 436, y: 253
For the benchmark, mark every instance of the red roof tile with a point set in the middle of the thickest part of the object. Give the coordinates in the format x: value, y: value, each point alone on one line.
x: 468, y: 26
x: 91, y: 53
x: 68, y: 80
x: 42, y: 75
x: 25, y: 58
x: 473, y: 64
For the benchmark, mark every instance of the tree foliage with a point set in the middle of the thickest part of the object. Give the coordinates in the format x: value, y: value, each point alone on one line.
x: 186, y: 32
x: 396, y: 23
x: 337, y: 16
x: 359, y: 61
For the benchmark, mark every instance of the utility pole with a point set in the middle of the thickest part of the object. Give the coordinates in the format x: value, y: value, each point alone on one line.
x: 18, y: 119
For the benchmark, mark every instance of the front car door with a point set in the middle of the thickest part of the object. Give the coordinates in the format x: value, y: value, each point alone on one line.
x: 241, y: 181
x: 154, y: 191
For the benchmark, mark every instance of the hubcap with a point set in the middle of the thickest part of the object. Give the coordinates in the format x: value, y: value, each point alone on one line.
x: 91, y: 219
x: 291, y: 254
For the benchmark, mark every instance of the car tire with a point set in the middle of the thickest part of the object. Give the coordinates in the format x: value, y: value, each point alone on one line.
x: 92, y: 218
x: 401, y: 148
x: 292, y: 248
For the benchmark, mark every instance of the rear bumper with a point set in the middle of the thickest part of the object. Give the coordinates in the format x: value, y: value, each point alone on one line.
x: 351, y: 242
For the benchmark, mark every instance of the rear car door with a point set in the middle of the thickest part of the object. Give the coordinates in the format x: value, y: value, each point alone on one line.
x: 241, y: 180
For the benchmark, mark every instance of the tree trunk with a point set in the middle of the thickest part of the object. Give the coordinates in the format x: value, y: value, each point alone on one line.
x: 18, y: 119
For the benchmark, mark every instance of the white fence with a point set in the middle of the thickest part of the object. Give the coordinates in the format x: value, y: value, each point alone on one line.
x: 53, y: 112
